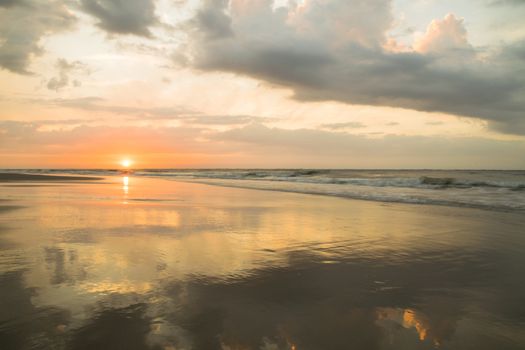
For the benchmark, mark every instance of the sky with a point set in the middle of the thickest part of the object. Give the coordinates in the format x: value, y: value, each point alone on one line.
x: 262, y: 84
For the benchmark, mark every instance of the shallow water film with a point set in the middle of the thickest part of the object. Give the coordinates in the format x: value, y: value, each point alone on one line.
x: 138, y: 263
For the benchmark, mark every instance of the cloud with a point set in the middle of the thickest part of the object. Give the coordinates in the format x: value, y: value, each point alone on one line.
x: 23, y: 24
x: 342, y: 126
x: 507, y: 3
x: 442, y: 35
x: 224, y: 120
x: 28, y: 137
x: 335, y: 50
x: 178, y: 113
x: 360, y: 21
x: 212, y: 21
x: 254, y: 144
x: 515, y: 54
x: 318, y: 148
x: 93, y: 103
x: 9, y: 3
x: 133, y: 17
x: 64, y: 70
x: 29, y: 144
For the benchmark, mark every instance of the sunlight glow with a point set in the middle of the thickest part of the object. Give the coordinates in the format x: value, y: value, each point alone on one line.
x: 126, y: 163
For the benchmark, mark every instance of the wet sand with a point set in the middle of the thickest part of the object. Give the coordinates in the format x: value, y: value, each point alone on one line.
x: 19, y: 177
x: 135, y: 263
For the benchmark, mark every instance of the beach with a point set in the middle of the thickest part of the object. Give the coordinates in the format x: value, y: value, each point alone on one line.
x: 129, y: 262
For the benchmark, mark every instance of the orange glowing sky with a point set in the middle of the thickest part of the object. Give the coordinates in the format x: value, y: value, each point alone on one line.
x: 311, y: 83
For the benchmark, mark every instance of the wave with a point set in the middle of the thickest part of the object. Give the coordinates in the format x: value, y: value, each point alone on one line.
x: 473, y: 198
x: 487, y: 189
x: 448, y: 182
x: 511, y: 180
x: 326, y: 177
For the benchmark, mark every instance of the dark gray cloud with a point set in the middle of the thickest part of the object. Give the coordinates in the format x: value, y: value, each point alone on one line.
x: 23, y: 24
x: 8, y: 3
x: 515, y: 54
x: 212, y: 21
x: 323, y: 55
x: 122, y: 16
x: 507, y: 3
x: 65, y: 70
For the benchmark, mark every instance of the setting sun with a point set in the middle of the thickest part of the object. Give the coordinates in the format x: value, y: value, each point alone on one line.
x: 126, y: 163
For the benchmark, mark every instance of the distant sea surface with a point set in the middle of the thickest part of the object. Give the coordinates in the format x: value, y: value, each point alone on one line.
x: 487, y: 189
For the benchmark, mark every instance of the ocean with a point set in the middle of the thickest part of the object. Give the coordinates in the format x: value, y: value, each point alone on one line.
x: 487, y: 189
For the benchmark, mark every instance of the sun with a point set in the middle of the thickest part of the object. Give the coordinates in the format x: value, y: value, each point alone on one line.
x: 126, y: 163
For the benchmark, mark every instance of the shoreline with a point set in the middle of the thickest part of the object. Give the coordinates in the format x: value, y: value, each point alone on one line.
x: 324, y: 190
x: 246, y: 186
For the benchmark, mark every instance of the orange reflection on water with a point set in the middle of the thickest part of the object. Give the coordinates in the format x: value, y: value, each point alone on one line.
x: 410, y: 318
x: 125, y: 185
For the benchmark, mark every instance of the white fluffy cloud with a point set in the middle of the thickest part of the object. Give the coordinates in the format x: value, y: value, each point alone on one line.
x: 444, y: 34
